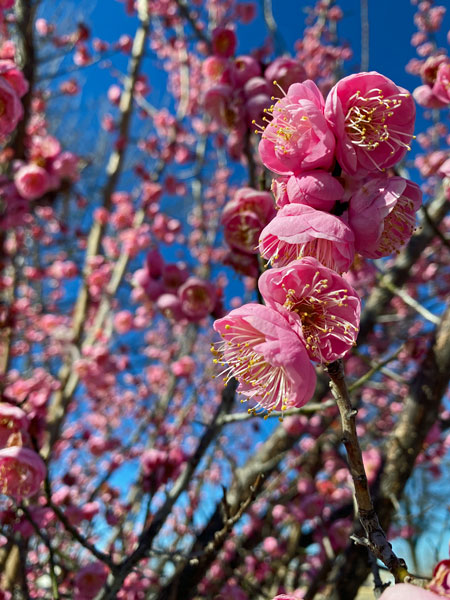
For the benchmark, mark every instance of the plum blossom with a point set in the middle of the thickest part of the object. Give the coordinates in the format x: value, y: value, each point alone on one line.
x: 299, y: 230
x: 373, y: 120
x: 298, y: 138
x: 440, y: 582
x: 89, y: 580
x: 11, y: 110
x: 267, y: 358
x: 13, y: 421
x: 321, y: 306
x: 382, y: 215
x: 244, y: 217
x: 32, y: 181
x: 285, y: 71
x: 441, y: 87
x: 22, y: 471
x: 197, y: 297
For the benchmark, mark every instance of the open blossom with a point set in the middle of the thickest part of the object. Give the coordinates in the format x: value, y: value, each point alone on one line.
x: 11, y: 110
x: 441, y: 87
x: 373, y: 120
x: 320, y: 305
x: 424, y: 96
x: 382, y: 215
x: 440, y: 582
x: 14, y: 76
x: 13, y: 421
x: 22, y: 471
x: 299, y: 230
x: 298, y: 138
x: 198, y: 298
x: 223, y: 41
x: 244, y: 217
x: 32, y: 181
x: 267, y: 358
x: 285, y: 71
x: 89, y: 580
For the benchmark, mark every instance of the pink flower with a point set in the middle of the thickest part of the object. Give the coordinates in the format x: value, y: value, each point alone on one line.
x: 22, y: 471
x: 65, y: 165
x: 318, y: 189
x: 373, y: 121
x: 123, y: 321
x: 267, y: 358
x: 14, y: 76
x: 440, y: 583
x: 89, y: 580
x: 321, y: 306
x: 406, y: 591
x: 246, y: 67
x: 429, y: 69
x: 13, y: 421
x: 298, y: 138
x: 285, y: 71
x: 382, y: 215
x: 441, y: 87
x: 299, y: 230
x: 11, y: 110
x: 244, y: 217
x: 223, y: 42
x: 424, y: 96
x: 170, y: 306
x: 197, y: 298
x: 183, y: 367
x: 31, y: 181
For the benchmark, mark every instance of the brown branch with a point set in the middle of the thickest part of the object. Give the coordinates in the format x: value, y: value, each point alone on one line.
x: 421, y: 410
x: 376, y: 539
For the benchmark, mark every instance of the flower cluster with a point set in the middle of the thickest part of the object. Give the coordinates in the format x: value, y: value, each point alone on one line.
x: 238, y: 89
x: 335, y: 198
x: 178, y: 295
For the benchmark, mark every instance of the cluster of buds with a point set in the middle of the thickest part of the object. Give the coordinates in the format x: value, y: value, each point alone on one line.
x: 335, y: 198
x: 238, y: 89
x: 177, y: 294
x: 160, y: 466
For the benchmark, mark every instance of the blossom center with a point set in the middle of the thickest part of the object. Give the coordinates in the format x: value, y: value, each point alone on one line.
x: 366, y: 121
x: 318, y: 310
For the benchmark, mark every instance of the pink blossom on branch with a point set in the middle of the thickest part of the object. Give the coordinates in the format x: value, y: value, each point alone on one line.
x: 244, y: 217
x: 267, y: 358
x: 441, y: 87
x: 22, y: 471
x: 299, y: 230
x: 11, y: 110
x: 322, y: 308
x: 13, y: 421
x: 382, y: 215
x: 298, y: 138
x: 89, y: 580
x: 32, y: 181
x: 373, y: 121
